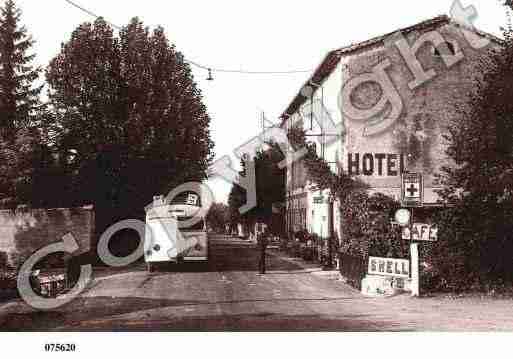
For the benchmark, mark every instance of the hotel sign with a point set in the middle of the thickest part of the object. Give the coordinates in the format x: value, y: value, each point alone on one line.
x: 375, y: 164
x: 390, y: 267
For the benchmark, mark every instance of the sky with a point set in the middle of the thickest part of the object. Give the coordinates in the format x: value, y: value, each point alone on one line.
x: 257, y: 36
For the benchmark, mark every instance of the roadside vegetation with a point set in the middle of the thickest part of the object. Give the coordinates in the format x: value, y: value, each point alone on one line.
x: 122, y: 120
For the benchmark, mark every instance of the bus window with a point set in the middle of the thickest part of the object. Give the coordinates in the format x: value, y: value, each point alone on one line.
x: 198, y: 226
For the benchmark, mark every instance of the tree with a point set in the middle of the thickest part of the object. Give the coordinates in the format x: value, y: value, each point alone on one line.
x: 218, y: 217
x: 20, y: 108
x: 19, y: 97
x: 270, y: 190
x: 131, y: 121
x: 475, y: 233
x: 237, y: 199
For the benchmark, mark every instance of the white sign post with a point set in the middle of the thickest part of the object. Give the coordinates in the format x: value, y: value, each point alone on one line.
x: 414, y: 255
x: 412, y: 195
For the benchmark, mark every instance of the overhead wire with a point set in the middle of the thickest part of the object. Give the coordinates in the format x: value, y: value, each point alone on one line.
x: 194, y: 63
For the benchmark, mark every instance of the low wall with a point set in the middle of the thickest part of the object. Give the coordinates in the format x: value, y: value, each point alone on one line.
x: 24, y: 231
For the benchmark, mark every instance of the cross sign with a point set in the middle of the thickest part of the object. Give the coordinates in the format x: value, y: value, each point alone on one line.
x: 412, y: 190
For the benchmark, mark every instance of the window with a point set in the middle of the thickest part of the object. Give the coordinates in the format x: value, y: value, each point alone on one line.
x: 198, y: 226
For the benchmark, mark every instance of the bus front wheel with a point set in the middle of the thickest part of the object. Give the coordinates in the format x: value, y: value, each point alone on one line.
x: 150, y: 267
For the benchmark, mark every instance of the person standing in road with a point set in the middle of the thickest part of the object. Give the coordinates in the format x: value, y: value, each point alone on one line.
x: 262, y: 241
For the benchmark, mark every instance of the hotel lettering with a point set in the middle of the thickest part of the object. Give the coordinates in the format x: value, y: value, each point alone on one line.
x: 375, y: 164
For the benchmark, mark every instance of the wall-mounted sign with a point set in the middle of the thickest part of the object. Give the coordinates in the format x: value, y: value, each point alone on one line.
x: 389, y: 267
x: 375, y: 164
x: 421, y: 232
x: 192, y: 199
x: 402, y: 216
x: 412, y: 189
x: 318, y: 200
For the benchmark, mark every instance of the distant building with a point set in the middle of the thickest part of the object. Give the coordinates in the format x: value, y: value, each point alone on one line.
x: 373, y: 149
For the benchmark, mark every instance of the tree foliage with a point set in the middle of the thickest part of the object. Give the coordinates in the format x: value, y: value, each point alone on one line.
x: 20, y: 110
x: 476, y: 231
x: 19, y: 101
x: 366, y: 218
x: 130, y: 121
x: 218, y: 217
x: 270, y: 189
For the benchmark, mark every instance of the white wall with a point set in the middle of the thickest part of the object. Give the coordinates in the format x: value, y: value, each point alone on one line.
x: 317, y: 214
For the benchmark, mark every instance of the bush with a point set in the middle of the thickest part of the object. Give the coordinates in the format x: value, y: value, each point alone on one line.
x: 473, y: 251
x: 367, y: 226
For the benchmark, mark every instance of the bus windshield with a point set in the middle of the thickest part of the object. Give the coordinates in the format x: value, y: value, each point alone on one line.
x: 198, y: 226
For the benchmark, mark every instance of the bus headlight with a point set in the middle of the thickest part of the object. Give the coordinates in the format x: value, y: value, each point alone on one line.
x: 156, y: 248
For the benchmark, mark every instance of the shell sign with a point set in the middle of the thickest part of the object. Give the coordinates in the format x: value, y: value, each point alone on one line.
x: 389, y: 267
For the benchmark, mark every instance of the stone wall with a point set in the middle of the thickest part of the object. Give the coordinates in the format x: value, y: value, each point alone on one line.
x: 25, y: 231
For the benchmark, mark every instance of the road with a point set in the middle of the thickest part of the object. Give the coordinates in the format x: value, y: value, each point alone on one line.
x: 229, y: 295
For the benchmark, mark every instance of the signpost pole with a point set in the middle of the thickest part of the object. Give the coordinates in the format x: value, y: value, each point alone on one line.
x: 412, y: 188
x: 414, y: 253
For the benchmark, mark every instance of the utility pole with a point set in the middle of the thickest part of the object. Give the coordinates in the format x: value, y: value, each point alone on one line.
x: 331, y: 231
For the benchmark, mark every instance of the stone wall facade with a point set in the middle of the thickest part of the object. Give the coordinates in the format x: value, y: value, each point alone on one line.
x: 24, y: 231
x: 415, y: 141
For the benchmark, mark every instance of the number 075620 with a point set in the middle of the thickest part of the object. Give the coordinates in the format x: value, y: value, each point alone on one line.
x: 53, y: 347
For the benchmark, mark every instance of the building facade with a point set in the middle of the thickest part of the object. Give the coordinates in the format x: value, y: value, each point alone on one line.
x: 389, y: 100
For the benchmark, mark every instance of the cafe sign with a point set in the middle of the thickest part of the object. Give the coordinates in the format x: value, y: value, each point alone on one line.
x: 421, y: 232
x: 389, y: 267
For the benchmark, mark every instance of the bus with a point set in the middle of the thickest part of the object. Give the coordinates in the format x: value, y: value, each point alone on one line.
x: 176, y: 233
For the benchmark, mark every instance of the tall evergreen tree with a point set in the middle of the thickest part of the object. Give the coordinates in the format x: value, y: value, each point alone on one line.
x: 19, y: 97
x: 20, y: 108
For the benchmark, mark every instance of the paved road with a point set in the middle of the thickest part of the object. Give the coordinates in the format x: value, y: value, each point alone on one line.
x: 229, y: 295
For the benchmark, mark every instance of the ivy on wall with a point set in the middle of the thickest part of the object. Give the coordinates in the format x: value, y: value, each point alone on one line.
x: 365, y: 218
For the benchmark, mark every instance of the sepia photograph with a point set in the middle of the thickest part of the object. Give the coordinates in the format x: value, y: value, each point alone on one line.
x: 308, y: 175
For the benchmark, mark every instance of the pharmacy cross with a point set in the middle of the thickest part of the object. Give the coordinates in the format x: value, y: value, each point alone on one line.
x: 412, y: 190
